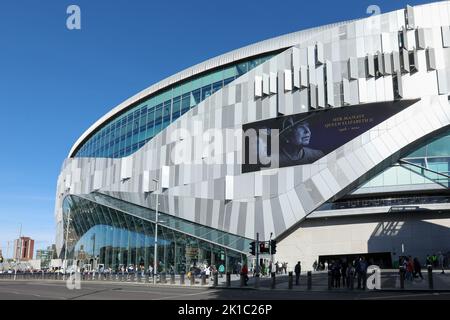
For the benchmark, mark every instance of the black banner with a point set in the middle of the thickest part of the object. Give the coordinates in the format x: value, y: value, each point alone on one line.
x: 305, y: 138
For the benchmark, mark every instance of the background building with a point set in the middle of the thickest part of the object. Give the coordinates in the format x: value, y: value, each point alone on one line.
x: 46, y: 256
x: 360, y: 111
x: 23, y: 249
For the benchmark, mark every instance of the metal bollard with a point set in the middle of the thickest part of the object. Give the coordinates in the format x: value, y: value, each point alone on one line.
x: 291, y: 280
x: 430, y: 277
x: 182, y: 279
x: 216, y: 279
x: 203, y: 279
x: 330, y: 280
x: 192, y: 278
x: 309, y: 280
x: 242, y: 284
x: 228, y: 284
x: 273, y: 284
x: 402, y: 278
x: 172, y: 278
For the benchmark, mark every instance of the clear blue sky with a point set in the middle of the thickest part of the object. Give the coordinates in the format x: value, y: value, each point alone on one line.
x: 54, y: 83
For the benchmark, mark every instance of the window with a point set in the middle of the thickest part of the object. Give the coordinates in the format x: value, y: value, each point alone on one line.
x: 126, y: 133
x: 185, y: 103
x: 206, y: 92
x: 195, y: 97
x: 166, y: 114
x: 176, y: 108
x: 158, y: 119
x: 228, y: 81
x: 217, y: 86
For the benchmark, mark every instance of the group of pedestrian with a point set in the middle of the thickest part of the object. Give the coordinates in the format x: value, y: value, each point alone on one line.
x: 437, y: 260
x: 412, y: 268
x: 281, y: 267
x: 345, y: 273
x: 206, y: 270
x: 320, y: 266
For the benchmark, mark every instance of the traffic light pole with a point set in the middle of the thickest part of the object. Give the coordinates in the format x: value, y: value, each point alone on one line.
x: 257, y: 254
x: 270, y: 252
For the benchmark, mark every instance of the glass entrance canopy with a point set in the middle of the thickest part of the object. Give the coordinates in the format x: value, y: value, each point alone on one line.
x: 113, y: 233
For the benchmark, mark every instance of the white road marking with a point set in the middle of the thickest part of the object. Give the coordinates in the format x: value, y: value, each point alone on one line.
x: 186, y: 295
x: 405, y: 296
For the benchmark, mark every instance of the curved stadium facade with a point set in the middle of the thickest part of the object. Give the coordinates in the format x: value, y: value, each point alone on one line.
x: 335, y: 141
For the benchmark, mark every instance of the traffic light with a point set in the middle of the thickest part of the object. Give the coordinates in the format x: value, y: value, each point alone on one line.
x: 273, y: 246
x: 253, y: 248
x: 263, y: 247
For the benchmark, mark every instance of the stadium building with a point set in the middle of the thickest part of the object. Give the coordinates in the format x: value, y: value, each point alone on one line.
x: 335, y: 141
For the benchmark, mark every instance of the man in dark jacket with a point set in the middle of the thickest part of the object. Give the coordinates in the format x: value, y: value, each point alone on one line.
x: 417, y: 268
x: 361, y: 271
x: 298, y: 270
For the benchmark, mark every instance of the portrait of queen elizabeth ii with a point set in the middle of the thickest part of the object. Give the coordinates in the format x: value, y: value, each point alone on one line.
x: 294, y: 139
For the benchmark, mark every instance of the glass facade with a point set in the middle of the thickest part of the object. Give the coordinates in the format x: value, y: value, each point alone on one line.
x: 434, y: 155
x: 128, y: 132
x: 113, y: 233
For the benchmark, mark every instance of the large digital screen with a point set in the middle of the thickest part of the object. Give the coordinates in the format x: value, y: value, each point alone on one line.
x: 305, y: 138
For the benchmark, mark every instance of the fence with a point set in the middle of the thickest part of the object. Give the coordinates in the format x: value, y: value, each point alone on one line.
x: 317, y: 281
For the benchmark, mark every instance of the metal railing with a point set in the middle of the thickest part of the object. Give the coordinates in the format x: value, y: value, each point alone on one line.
x: 307, y: 281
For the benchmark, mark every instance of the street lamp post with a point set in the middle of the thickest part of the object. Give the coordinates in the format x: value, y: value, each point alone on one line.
x: 20, y: 252
x: 155, y: 256
x: 20, y: 245
x: 67, y: 243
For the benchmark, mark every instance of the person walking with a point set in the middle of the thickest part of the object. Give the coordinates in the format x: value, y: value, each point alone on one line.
x: 244, y: 272
x: 434, y: 260
x: 361, y: 271
x: 344, y: 273
x: 441, y: 262
x: 350, y: 274
x: 409, y: 268
x: 336, y: 270
x: 273, y: 268
x: 417, y: 268
x: 298, y: 270
x: 150, y: 271
x: 221, y: 270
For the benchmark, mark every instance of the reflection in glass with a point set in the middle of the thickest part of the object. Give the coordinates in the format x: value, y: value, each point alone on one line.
x: 103, y: 234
